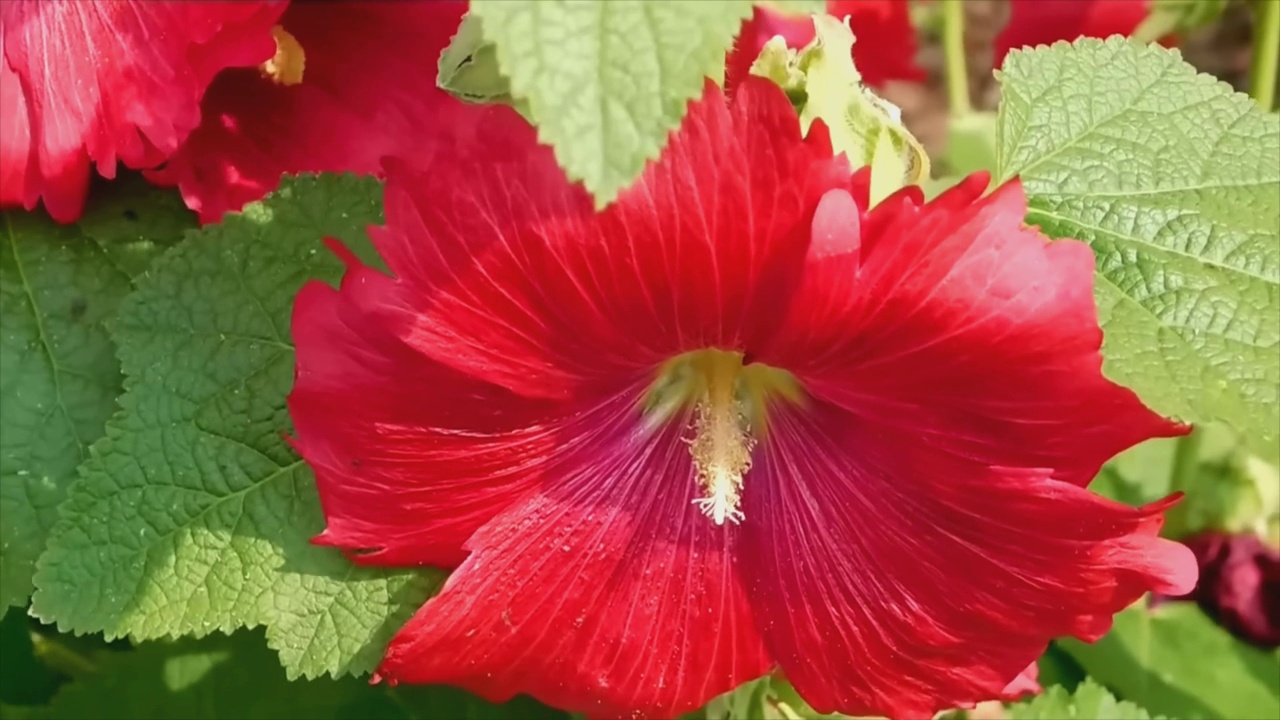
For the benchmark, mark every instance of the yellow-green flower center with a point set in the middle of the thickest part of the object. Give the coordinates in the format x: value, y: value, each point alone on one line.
x: 728, y: 403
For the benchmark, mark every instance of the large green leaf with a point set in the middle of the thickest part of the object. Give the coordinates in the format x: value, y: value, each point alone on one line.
x: 1089, y: 701
x: 607, y: 81
x: 1174, y: 180
x: 60, y: 379
x: 192, y: 514
x: 220, y: 678
x: 1173, y: 660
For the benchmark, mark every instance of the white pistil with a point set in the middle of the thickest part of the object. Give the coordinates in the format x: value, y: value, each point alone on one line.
x: 721, y: 449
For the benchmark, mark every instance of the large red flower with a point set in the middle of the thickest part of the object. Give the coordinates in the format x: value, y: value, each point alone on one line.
x: 1044, y: 22
x: 885, y: 47
x: 735, y: 422
x: 93, y: 83
x: 366, y: 88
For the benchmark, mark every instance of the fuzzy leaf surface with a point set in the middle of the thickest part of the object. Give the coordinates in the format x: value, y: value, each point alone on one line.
x: 222, y: 677
x: 1175, y: 661
x: 59, y: 285
x: 1090, y: 701
x: 193, y: 515
x: 606, y: 82
x: 1174, y: 180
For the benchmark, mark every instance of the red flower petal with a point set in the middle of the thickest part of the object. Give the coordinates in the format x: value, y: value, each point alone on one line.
x: 894, y: 579
x: 523, y: 285
x: 954, y: 323
x: 906, y: 528
x: 423, y: 455
x: 885, y: 47
x: 15, y: 136
x: 1044, y: 22
x: 108, y: 81
x: 607, y: 593
x: 368, y: 90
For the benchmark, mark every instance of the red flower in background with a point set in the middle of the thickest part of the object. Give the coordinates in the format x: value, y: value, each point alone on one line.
x: 1239, y: 584
x: 366, y: 87
x: 885, y: 47
x: 734, y: 422
x: 86, y: 84
x: 1043, y: 22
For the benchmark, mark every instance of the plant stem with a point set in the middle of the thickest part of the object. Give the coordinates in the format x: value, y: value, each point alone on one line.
x: 1186, y: 462
x: 61, y: 657
x: 1186, y: 467
x: 953, y: 50
x: 1266, y: 53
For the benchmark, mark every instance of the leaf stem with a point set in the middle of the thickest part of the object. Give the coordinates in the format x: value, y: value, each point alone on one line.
x: 1186, y: 461
x: 61, y: 657
x: 956, y: 68
x: 1266, y: 53
x: 1186, y: 468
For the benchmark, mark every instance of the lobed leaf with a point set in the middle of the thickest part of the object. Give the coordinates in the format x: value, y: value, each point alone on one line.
x: 1089, y: 701
x: 238, y: 677
x: 1174, y: 180
x: 59, y: 285
x: 1174, y: 660
x: 606, y: 82
x: 192, y: 514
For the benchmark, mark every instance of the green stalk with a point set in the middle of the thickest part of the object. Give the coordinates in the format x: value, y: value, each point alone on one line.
x: 1186, y: 469
x: 60, y: 657
x: 953, y: 50
x: 1266, y: 53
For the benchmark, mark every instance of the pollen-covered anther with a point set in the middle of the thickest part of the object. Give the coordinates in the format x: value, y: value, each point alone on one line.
x: 289, y: 63
x: 721, y: 449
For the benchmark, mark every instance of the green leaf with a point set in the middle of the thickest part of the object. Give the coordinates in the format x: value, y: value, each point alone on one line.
x: 58, y: 284
x: 192, y: 514
x: 1057, y: 668
x: 1175, y: 661
x: 222, y: 677
x: 1174, y: 181
x: 606, y: 82
x: 1178, y: 16
x: 1139, y: 475
x: 468, y: 67
x: 23, y: 712
x: 1090, y: 701
x: 863, y: 126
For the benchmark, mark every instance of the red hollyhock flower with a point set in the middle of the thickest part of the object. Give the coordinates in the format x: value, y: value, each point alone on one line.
x: 1043, y: 22
x: 363, y: 86
x: 734, y: 422
x: 1239, y: 584
x: 99, y: 82
x: 885, y: 47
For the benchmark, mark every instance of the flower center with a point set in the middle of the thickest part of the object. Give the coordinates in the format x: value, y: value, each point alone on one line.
x: 728, y: 402
x: 289, y: 62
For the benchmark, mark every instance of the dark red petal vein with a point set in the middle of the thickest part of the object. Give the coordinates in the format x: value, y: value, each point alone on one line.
x: 889, y: 578
x: 410, y: 456
x: 607, y: 593
x: 522, y: 284
x: 958, y: 324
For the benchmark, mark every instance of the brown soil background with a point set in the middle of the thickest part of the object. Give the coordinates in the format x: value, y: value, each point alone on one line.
x: 1222, y: 49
